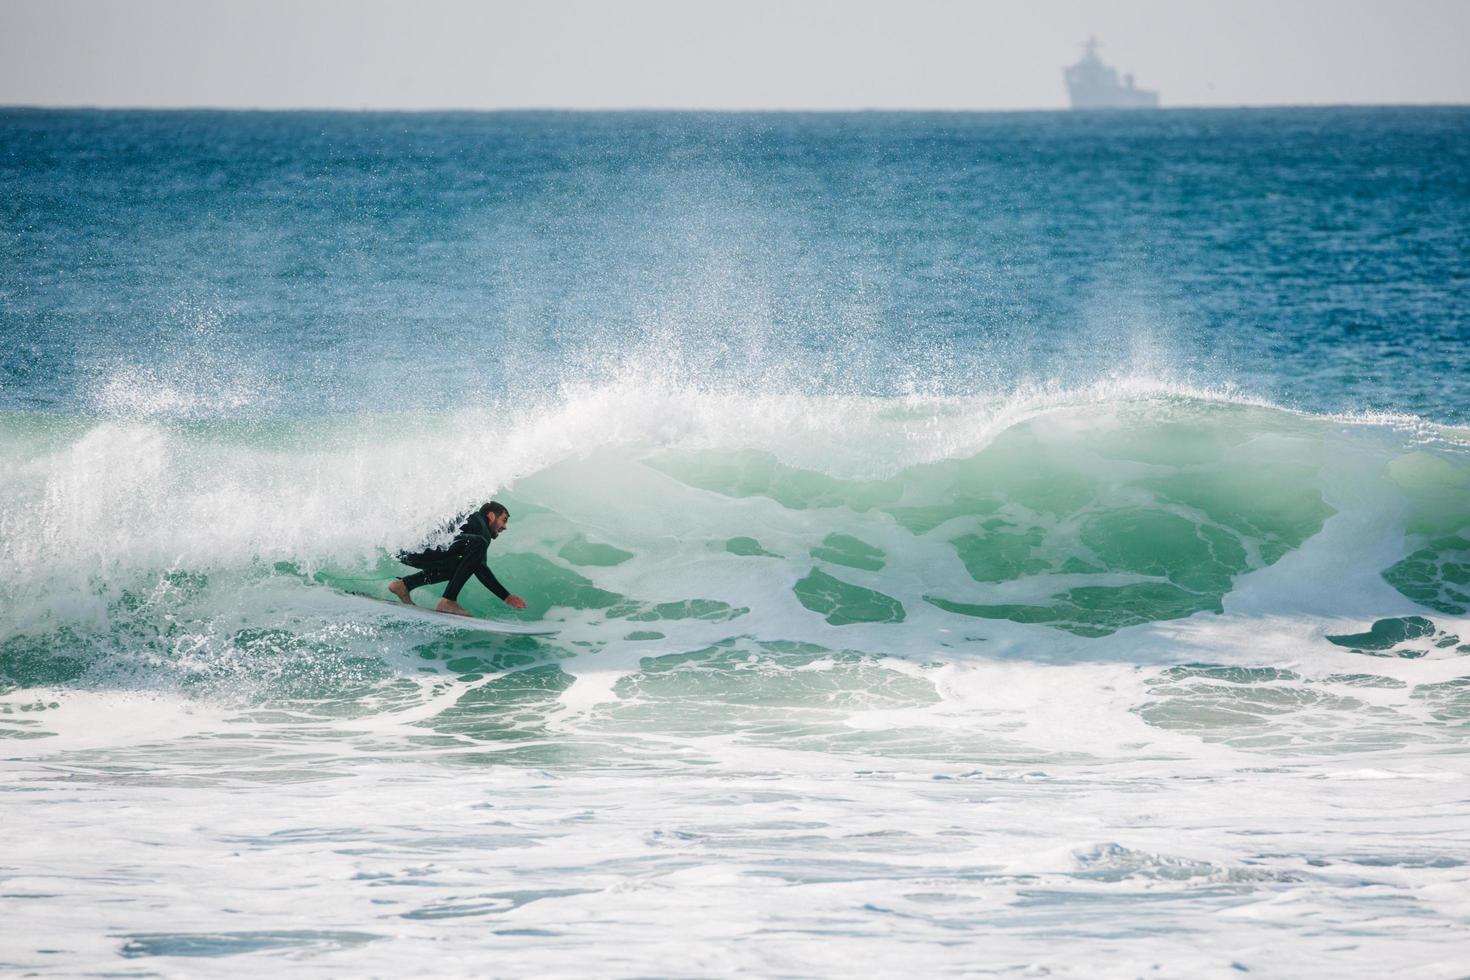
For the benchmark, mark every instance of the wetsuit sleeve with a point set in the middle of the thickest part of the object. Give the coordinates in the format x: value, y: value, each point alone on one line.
x: 488, y: 580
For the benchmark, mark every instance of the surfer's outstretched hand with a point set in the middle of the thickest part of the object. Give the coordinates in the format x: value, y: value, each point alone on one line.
x: 515, y: 602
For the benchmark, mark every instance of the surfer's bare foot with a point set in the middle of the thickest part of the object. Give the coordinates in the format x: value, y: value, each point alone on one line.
x: 450, y: 606
x: 400, y: 590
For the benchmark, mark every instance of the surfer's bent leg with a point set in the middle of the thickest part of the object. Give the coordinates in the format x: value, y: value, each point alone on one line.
x: 439, y: 573
x: 435, y: 566
x: 472, y: 560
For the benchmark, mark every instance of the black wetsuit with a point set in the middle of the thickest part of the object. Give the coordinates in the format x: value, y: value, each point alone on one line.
x: 463, y: 557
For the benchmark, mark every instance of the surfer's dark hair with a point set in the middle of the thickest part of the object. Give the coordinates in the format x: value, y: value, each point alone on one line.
x: 494, y: 507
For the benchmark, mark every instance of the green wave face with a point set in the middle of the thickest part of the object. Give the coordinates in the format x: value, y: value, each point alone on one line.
x: 1108, y: 525
x: 1437, y: 574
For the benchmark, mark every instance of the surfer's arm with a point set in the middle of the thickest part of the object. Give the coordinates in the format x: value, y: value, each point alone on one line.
x: 492, y: 583
x: 488, y: 580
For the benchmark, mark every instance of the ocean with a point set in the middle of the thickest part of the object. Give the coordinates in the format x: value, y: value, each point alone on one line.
x: 1020, y: 544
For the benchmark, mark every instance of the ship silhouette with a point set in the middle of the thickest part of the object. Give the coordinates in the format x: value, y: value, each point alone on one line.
x: 1093, y: 85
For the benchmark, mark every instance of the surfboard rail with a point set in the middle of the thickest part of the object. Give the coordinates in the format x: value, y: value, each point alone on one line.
x: 444, y: 620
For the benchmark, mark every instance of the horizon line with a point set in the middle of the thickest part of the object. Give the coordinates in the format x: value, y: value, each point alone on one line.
x: 749, y: 110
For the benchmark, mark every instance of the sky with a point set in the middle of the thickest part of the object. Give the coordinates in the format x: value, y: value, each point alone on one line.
x: 722, y: 54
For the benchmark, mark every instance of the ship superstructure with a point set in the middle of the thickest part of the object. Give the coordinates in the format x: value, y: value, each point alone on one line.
x: 1093, y: 85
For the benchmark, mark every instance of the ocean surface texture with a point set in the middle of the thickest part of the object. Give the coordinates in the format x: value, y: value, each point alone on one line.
x: 1025, y: 545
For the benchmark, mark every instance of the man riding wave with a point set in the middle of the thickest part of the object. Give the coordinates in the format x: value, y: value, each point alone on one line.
x: 456, y: 562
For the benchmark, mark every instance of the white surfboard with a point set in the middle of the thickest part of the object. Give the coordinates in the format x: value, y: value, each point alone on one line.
x: 450, y: 621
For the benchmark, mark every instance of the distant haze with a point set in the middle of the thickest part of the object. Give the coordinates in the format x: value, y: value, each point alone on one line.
x: 751, y: 54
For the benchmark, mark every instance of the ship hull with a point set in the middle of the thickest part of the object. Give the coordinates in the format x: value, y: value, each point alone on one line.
x: 1118, y: 99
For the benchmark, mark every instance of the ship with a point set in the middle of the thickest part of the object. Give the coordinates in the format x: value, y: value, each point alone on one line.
x: 1093, y: 85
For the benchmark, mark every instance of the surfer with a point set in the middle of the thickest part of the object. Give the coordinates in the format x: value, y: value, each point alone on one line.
x: 463, y: 557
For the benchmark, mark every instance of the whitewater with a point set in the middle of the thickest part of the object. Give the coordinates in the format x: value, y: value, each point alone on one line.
x: 920, y: 608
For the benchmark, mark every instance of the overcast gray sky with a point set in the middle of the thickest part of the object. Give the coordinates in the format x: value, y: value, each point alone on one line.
x: 721, y: 54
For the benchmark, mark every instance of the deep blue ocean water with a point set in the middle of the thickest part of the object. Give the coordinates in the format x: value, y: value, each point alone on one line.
x: 355, y: 262
x: 1026, y: 544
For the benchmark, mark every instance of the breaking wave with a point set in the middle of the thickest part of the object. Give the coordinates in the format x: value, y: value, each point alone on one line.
x: 1048, y: 525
